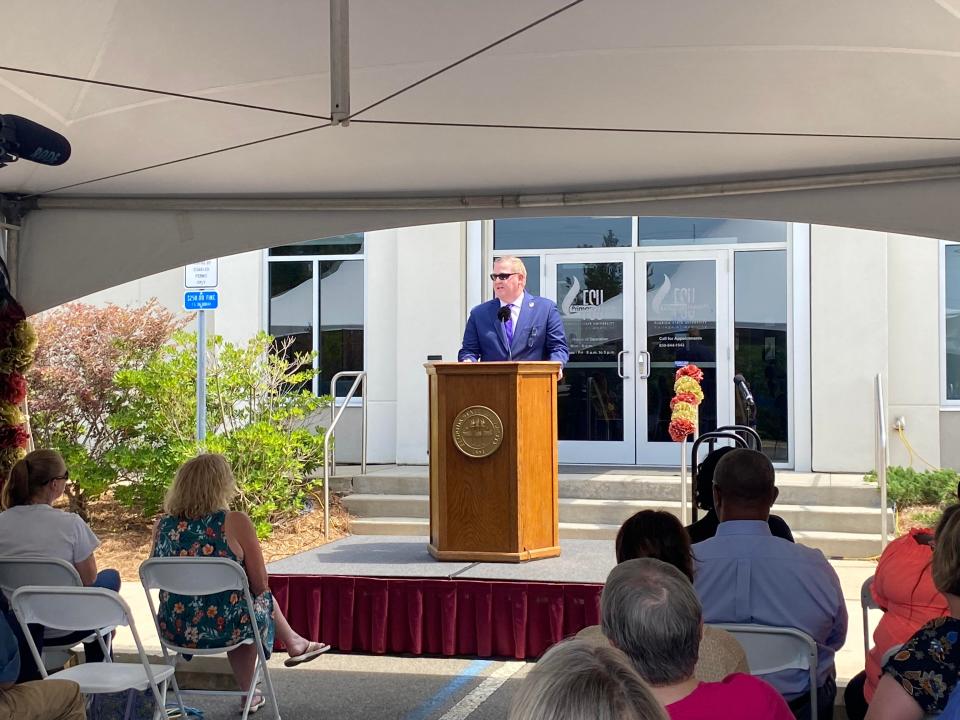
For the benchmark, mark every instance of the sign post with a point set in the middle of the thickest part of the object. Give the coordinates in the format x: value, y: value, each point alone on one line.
x: 199, y: 276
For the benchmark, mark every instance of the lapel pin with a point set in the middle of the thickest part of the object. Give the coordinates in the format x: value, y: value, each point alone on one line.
x: 531, y: 303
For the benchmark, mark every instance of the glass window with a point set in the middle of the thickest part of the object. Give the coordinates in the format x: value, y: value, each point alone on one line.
x: 319, y: 304
x: 340, y: 245
x: 951, y: 315
x: 760, y: 346
x: 657, y: 231
x: 291, y: 306
x: 562, y: 232
x: 341, y: 320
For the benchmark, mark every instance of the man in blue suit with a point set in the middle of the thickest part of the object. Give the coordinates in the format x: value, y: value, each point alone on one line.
x: 515, y: 325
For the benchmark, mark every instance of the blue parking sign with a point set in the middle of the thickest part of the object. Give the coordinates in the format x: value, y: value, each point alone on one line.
x: 200, y: 300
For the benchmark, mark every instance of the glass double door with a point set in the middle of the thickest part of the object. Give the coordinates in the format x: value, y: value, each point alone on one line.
x: 631, y: 320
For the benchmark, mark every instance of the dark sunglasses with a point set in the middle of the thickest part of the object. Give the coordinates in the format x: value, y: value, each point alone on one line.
x: 65, y: 476
x: 502, y: 276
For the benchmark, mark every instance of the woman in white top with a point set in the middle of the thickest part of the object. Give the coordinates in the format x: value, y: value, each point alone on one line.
x: 31, y: 526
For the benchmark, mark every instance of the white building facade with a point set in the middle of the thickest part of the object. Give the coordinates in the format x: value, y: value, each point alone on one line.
x: 808, y: 314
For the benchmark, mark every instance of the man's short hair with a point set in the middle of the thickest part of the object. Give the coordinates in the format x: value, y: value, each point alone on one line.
x: 650, y: 611
x: 516, y: 264
x: 746, y: 476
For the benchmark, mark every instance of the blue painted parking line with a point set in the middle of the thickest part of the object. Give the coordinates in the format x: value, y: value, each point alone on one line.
x: 429, y: 706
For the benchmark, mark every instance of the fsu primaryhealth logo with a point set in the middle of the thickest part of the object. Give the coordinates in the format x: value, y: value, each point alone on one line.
x: 477, y: 431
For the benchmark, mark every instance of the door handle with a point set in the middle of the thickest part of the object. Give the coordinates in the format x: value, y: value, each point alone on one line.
x: 643, y: 364
x: 620, y: 363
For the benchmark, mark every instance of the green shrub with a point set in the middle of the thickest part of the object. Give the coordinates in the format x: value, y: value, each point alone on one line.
x: 256, y: 417
x: 908, y: 487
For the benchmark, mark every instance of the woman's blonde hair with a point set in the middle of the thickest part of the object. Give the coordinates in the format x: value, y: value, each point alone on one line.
x: 30, y: 475
x: 202, y: 486
x: 946, y: 552
x: 580, y: 680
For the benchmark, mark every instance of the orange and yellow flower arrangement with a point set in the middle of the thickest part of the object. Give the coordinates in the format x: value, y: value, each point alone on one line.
x: 688, y: 395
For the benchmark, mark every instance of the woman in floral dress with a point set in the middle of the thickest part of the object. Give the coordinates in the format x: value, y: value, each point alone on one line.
x: 198, y: 523
x: 920, y: 678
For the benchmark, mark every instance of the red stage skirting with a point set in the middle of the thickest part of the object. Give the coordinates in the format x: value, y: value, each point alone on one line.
x: 479, y: 618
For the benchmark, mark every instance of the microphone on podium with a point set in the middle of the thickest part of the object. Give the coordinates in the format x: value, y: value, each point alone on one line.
x: 503, y: 313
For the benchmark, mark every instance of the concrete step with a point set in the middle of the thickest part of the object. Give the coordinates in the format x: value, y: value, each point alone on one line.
x: 819, y: 489
x: 832, y: 544
x: 800, y: 518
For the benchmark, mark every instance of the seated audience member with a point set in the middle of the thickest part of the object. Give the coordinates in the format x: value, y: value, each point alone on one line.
x: 659, y: 535
x: 903, y: 588
x: 746, y: 575
x: 919, y: 678
x: 650, y: 611
x: 198, y: 522
x: 31, y: 526
x: 43, y: 700
x: 706, y: 527
x: 579, y: 680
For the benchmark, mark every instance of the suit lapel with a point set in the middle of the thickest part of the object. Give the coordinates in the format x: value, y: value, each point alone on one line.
x: 523, y: 322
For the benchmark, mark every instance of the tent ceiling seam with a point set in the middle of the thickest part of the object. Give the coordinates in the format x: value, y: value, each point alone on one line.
x: 507, y: 201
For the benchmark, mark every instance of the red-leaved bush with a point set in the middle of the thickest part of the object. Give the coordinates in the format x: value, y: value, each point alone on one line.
x: 72, y: 392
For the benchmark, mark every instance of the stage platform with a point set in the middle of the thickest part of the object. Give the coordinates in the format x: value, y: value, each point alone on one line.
x: 384, y: 594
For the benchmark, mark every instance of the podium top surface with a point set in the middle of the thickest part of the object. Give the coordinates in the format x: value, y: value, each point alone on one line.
x: 492, y: 368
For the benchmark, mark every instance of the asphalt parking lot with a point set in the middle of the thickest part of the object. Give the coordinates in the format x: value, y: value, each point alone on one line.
x: 352, y: 687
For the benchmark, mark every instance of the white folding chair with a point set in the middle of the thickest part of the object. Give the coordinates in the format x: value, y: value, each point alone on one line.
x: 867, y: 603
x: 72, y: 609
x: 207, y: 576
x: 15, y: 572
x: 772, y: 649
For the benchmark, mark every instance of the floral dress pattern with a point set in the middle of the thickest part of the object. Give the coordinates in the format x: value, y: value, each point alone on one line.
x: 207, y: 621
x: 927, y: 665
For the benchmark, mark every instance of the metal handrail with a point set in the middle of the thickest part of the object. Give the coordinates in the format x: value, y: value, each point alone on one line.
x: 328, y: 460
x: 882, y: 459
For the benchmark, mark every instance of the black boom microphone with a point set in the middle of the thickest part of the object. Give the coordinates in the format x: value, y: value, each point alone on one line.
x: 22, y: 139
x: 503, y: 313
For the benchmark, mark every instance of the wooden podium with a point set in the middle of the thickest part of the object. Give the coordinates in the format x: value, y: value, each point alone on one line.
x: 493, y: 461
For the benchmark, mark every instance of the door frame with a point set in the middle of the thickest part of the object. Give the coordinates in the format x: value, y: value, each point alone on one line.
x: 613, y: 452
x: 659, y: 454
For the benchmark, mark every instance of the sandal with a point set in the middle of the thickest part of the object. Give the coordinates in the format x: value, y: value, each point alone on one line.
x: 313, y: 651
x: 258, y: 702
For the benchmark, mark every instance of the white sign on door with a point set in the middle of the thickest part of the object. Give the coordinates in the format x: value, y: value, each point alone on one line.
x: 201, y: 275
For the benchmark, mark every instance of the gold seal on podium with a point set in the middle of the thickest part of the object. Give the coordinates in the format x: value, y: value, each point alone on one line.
x: 477, y: 431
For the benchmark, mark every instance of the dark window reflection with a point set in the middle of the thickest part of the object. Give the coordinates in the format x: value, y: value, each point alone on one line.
x: 681, y: 329
x: 563, y: 232
x: 291, y: 308
x: 341, y: 321
x: 590, y: 402
x: 760, y: 343
x: 656, y: 231
x: 338, y: 245
x: 952, y: 318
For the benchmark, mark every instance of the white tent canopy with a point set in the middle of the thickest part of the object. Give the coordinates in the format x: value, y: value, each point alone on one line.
x: 838, y: 113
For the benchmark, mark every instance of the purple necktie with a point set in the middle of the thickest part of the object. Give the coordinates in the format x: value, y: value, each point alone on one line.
x: 508, y: 326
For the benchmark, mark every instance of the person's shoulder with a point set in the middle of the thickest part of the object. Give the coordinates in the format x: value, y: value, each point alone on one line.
x: 487, y: 305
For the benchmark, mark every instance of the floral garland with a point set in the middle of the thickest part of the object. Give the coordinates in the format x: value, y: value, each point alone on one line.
x: 683, y: 406
x: 18, y: 342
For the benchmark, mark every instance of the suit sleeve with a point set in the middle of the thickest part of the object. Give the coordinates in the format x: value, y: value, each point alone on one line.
x: 470, y: 347
x: 556, y: 342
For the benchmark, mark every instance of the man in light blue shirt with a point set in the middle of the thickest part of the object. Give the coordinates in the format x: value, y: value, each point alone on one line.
x: 746, y: 575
